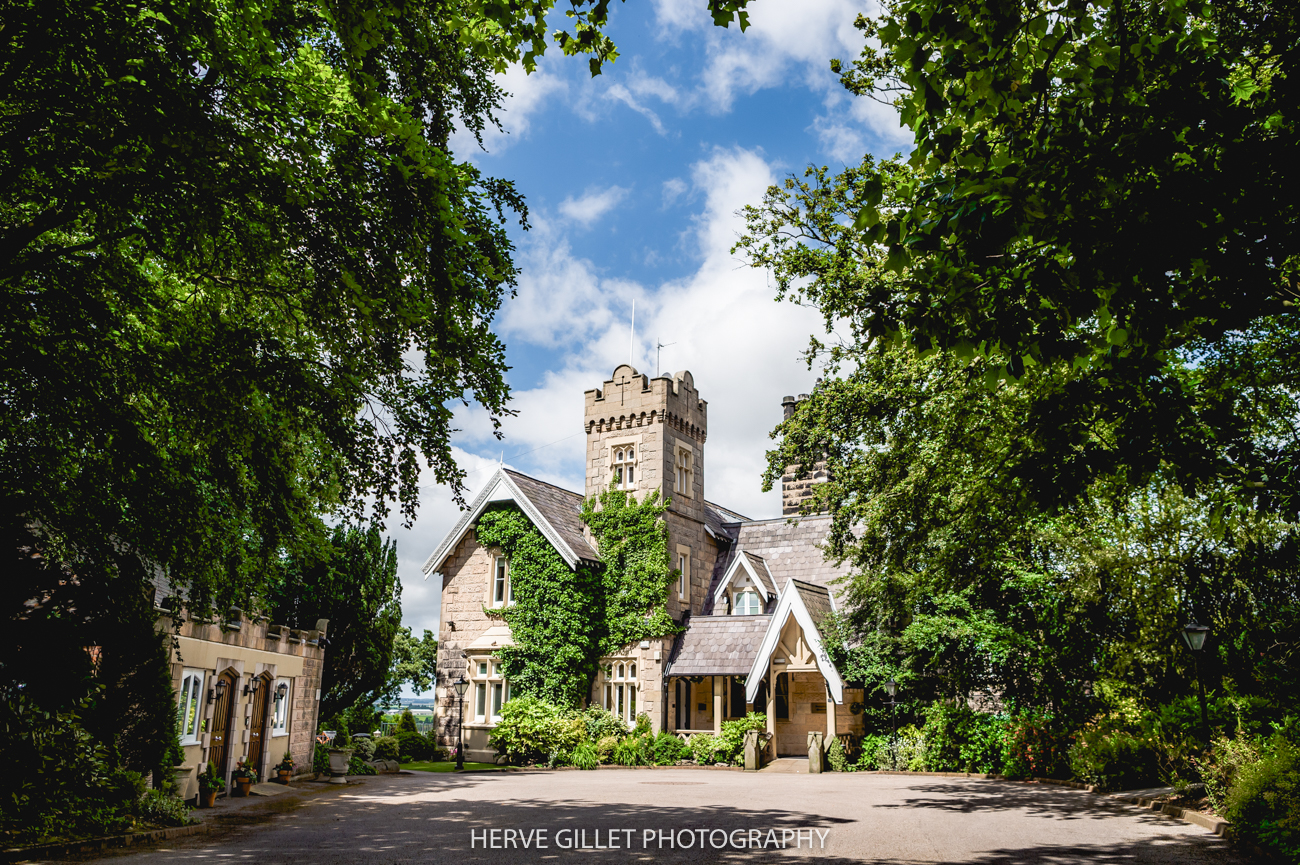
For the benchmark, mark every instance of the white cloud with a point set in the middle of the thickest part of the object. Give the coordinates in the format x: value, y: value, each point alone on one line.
x: 526, y: 96
x: 673, y: 189
x: 619, y: 93
x: 592, y: 204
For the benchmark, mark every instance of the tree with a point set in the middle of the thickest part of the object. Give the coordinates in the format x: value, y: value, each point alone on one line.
x: 415, y: 663
x: 1096, y: 185
x: 242, y: 274
x: 353, y: 582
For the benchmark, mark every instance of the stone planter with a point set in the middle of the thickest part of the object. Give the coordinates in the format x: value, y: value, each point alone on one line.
x: 181, y: 777
x: 339, y: 759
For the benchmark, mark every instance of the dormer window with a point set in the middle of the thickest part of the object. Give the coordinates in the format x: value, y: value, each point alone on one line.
x: 685, y: 472
x: 747, y: 604
x: 624, y: 462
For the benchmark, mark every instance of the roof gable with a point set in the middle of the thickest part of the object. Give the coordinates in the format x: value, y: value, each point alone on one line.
x: 809, y: 605
x: 553, y: 510
x: 752, y: 566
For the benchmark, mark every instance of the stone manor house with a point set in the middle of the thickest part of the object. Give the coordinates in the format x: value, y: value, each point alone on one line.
x: 751, y: 596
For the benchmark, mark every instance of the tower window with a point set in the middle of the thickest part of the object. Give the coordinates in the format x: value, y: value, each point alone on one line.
x: 685, y: 472
x: 624, y: 463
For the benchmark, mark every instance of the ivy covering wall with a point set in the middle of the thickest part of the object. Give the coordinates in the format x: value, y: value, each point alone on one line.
x: 563, y: 620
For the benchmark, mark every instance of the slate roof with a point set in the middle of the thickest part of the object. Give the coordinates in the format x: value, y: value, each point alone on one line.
x: 717, y: 646
x: 791, y: 550
x: 560, y: 507
x: 760, y: 568
x: 816, y: 600
x: 722, y: 520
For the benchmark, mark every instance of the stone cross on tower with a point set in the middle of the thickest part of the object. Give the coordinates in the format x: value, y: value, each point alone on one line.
x: 622, y: 382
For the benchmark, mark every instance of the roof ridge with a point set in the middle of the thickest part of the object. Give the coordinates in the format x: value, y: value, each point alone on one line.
x: 544, y: 483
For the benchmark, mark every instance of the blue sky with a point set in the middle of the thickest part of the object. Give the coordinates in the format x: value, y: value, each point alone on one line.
x: 633, y: 180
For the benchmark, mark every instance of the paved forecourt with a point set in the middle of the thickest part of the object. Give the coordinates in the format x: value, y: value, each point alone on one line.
x: 683, y: 815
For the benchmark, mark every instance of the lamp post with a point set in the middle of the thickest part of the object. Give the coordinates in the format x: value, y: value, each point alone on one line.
x: 891, y: 688
x: 461, y: 685
x: 1194, y: 636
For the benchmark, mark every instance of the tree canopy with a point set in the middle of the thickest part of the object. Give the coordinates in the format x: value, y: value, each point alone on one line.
x: 1098, y: 185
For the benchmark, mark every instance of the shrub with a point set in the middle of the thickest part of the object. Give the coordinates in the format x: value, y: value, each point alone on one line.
x: 605, y: 748
x: 431, y: 742
x: 601, y: 722
x: 162, y: 809
x: 584, y: 756
x: 628, y: 752
x: 412, y: 745
x: 357, y: 766
x: 387, y: 748
x: 1255, y: 785
x: 959, y: 739
x: 364, y: 747
x: 835, y: 755
x: 1112, y: 758
x: 729, y: 745
x: 870, y: 753
x: 320, y: 759
x: 406, y: 723
x: 1033, y: 747
x: 669, y: 750
x: 702, y: 748
x: 643, y: 726
x: 906, y: 754
x: 530, y: 730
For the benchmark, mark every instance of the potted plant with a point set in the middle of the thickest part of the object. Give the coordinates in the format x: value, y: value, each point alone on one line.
x: 340, y: 758
x: 244, y: 776
x: 210, y: 784
x: 284, y: 769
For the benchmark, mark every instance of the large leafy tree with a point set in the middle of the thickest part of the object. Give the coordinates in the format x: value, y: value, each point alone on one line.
x: 1100, y: 185
x: 352, y: 581
x: 242, y: 273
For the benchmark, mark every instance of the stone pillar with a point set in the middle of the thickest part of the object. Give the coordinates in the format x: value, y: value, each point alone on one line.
x: 830, y: 718
x: 815, y: 752
x: 771, y: 703
x: 717, y: 703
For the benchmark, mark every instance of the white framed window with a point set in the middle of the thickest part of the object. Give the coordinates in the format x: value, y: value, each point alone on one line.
x: 189, y: 711
x: 623, y: 460
x: 747, y: 603
x: 491, y: 690
x: 280, y: 715
x: 503, y: 594
x: 685, y: 464
x: 683, y: 575
x: 620, y: 690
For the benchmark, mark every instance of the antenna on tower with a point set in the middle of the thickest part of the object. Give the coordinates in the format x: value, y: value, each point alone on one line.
x: 659, y: 347
x: 631, y: 340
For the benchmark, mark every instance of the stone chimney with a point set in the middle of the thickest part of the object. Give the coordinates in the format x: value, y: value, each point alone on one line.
x: 796, y: 488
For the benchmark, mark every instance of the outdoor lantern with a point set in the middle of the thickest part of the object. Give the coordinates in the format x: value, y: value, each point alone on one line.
x: 891, y: 687
x: 215, y: 693
x: 1194, y: 636
x: 461, y: 686
x: 282, y: 690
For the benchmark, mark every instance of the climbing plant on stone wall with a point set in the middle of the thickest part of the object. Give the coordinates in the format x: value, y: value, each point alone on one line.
x: 563, y: 620
x: 555, y: 616
x: 632, y: 539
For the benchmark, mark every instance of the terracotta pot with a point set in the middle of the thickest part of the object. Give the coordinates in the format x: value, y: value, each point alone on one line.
x: 283, y: 775
x: 207, y: 798
x: 242, y: 785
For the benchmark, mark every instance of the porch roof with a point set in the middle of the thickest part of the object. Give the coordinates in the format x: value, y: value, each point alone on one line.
x: 717, y: 646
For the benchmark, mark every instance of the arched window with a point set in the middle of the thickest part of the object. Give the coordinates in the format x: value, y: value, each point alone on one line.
x: 685, y: 458
x: 623, y: 460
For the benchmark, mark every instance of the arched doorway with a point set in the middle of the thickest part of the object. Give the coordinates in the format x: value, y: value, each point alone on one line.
x: 223, y: 717
x: 257, y: 733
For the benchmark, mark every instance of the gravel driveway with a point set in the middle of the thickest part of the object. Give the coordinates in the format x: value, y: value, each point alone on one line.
x: 681, y: 815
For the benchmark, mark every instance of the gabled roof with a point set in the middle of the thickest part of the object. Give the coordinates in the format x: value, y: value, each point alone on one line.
x: 752, y: 565
x: 717, y: 646
x: 552, y: 509
x: 809, y: 605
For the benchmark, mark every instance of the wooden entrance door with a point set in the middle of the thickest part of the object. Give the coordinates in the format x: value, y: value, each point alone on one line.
x: 257, y: 735
x: 223, y: 717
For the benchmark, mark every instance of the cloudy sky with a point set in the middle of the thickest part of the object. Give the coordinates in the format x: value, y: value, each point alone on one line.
x: 633, y: 180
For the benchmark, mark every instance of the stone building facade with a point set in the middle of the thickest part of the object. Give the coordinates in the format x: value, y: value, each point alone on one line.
x: 248, y: 690
x: 750, y: 595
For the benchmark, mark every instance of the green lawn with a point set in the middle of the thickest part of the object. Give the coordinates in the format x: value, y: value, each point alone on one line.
x: 446, y: 767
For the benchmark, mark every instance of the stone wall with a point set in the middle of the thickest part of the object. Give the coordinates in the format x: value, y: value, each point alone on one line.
x: 466, y: 581
x: 796, y: 488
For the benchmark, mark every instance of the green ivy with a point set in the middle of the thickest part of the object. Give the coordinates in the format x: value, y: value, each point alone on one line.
x: 632, y: 539
x: 554, y: 618
x: 563, y: 621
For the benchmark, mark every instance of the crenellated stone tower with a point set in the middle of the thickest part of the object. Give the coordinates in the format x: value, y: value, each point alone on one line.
x: 647, y: 434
